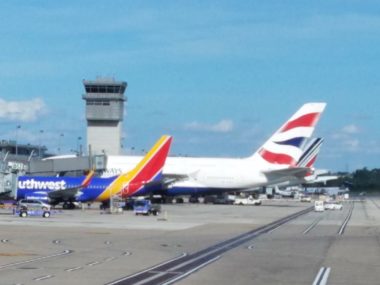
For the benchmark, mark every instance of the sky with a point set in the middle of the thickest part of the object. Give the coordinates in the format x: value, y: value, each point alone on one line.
x: 220, y: 76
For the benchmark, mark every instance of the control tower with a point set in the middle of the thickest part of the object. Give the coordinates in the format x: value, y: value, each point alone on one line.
x: 104, y: 113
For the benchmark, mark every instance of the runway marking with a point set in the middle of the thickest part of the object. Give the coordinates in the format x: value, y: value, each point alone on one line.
x: 312, y: 226
x: 147, y: 270
x: 93, y: 263
x: 345, y: 222
x: 322, y: 276
x: 191, y: 271
x: 109, y: 259
x: 180, y: 267
x: 65, y: 252
x: 43, y: 277
x: 74, y: 269
x: 375, y: 203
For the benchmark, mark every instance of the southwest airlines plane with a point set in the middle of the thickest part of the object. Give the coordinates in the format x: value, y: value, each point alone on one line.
x: 139, y: 180
x: 274, y: 162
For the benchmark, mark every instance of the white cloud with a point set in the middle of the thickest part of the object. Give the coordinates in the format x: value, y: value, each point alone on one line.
x: 350, y: 129
x: 351, y: 144
x: 223, y: 126
x: 23, y: 111
x: 347, y: 138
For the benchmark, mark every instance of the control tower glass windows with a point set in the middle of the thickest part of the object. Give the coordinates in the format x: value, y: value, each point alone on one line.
x: 112, y: 89
x: 97, y: 103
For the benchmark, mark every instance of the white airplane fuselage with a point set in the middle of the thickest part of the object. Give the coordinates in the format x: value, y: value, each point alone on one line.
x: 202, y: 174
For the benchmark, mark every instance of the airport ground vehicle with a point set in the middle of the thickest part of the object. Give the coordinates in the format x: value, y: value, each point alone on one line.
x: 305, y: 198
x: 145, y: 207
x: 33, y: 204
x: 319, y: 206
x: 333, y: 206
x: 247, y: 201
x: 24, y: 211
x: 225, y: 199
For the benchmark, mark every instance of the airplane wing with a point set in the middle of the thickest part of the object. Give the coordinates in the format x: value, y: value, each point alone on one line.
x: 69, y: 193
x: 323, y: 179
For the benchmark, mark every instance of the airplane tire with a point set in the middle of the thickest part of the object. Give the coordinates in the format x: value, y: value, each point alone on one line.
x: 46, y: 214
x: 23, y: 214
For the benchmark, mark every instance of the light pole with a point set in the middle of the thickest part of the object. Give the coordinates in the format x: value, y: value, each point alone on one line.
x: 59, y: 142
x: 78, y: 146
x: 39, y: 143
x: 17, y: 129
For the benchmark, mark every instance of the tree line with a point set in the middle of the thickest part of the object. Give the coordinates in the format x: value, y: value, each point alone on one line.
x: 359, y: 180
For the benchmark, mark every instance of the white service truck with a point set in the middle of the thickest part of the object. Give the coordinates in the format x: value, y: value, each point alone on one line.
x: 247, y: 201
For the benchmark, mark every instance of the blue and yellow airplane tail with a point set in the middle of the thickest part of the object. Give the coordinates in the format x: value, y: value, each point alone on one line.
x: 148, y: 170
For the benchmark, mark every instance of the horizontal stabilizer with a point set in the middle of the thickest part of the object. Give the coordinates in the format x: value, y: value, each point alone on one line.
x: 281, y: 175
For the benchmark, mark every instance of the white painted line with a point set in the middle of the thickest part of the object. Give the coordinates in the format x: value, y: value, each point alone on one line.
x: 325, y: 276
x: 343, y: 227
x: 109, y: 259
x: 93, y: 263
x: 74, y: 268
x: 312, y: 226
x: 146, y: 270
x: 318, y: 277
x: 36, y: 259
x: 191, y: 271
x: 43, y: 277
x: 322, y: 276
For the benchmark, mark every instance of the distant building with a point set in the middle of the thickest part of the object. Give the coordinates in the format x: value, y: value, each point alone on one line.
x: 104, y: 113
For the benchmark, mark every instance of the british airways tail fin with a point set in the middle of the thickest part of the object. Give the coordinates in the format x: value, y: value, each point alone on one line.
x: 284, y: 147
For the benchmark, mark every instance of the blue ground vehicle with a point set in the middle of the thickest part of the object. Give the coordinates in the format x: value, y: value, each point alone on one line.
x: 145, y: 207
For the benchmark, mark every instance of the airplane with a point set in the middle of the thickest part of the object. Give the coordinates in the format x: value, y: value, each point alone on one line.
x: 140, y: 180
x: 274, y: 162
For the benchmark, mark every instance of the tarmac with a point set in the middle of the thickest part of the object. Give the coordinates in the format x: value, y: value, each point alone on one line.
x: 94, y: 247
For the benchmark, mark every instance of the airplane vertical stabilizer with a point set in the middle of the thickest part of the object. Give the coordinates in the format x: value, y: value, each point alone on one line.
x: 309, y: 156
x: 148, y: 170
x: 284, y: 148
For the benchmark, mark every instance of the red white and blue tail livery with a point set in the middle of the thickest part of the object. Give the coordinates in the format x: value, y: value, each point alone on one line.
x: 285, y: 147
